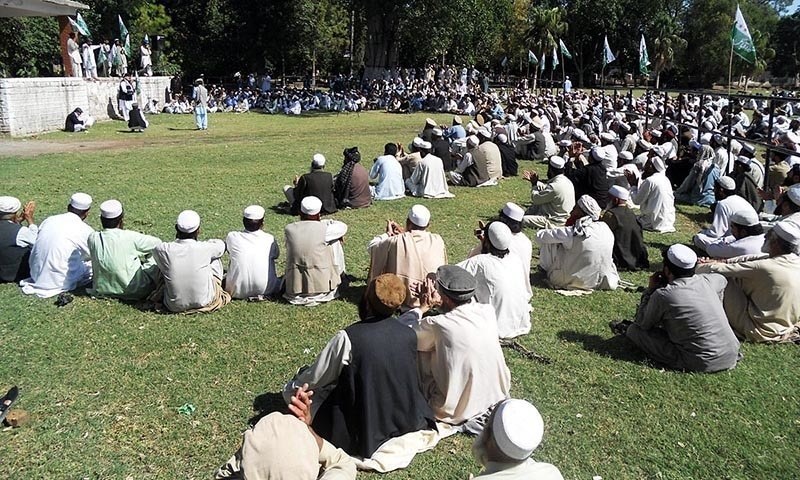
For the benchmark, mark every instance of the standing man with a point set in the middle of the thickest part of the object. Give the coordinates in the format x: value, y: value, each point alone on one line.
x: 105, y: 59
x: 60, y: 259
x: 74, y: 52
x: 567, y: 85
x: 122, y: 260
x: 192, y: 269
x: 200, y: 98
x: 252, y: 251
x: 89, y: 63
x: 146, y: 61
x: 125, y: 94
x: 16, y: 241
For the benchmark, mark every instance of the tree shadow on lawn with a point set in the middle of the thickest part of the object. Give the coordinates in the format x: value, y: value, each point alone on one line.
x: 616, y: 347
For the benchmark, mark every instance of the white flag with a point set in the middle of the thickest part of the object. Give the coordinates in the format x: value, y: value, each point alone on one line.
x: 608, y: 57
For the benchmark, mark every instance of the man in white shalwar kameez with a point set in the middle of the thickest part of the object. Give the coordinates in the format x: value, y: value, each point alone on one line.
x: 654, y: 196
x: 252, y: 252
x: 728, y: 203
x: 500, y: 280
x: 428, y: 178
x: 579, y: 256
x: 60, y: 259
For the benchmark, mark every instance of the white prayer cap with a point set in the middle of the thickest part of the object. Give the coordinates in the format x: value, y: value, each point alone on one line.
x: 502, y: 138
x: 656, y: 133
x: 318, y: 160
x: 705, y: 138
x: 565, y: 143
x: 110, y: 209
x: 537, y: 123
x: 793, y: 137
x: 437, y: 131
x: 517, y: 428
x: 511, y: 117
x: 682, y: 256
x: 658, y: 163
x: 472, y: 141
x: 456, y: 119
x: 726, y: 183
x: 254, y: 212
x: 600, y: 154
x: 619, y: 192
x: 746, y: 217
x: 793, y: 193
x: 580, y: 135
x: 557, y: 162
x: 589, y: 206
x: 744, y: 160
x: 419, y: 215
x: 9, y: 205
x: 500, y: 235
x: 644, y: 144
x: 311, y: 205
x: 746, y: 147
x: 430, y: 121
x: 80, y: 201
x: 788, y: 231
x: 484, y: 132
x: 513, y: 211
x: 425, y: 145
x: 626, y: 155
x: 608, y: 136
x: 188, y: 221
x: 417, y: 142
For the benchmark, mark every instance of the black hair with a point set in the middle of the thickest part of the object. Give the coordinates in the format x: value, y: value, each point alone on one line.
x: 390, y: 149
x: 252, y: 225
x: 512, y: 224
x: 675, y: 270
x: 753, y: 230
x: 110, y: 222
x: 184, y: 236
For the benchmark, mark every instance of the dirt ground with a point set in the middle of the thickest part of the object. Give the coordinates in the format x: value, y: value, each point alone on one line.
x: 33, y: 147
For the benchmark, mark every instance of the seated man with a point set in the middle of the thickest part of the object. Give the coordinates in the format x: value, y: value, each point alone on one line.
x: 314, y: 256
x: 462, y: 368
x: 388, y: 173
x: 77, y: 122
x: 727, y: 204
x: 411, y: 253
x: 488, y: 153
x: 252, y: 251
x: 192, y: 270
x: 59, y: 260
x: 286, y: 446
x: 428, y: 179
x: 590, y: 179
x: 504, y: 447
x: 680, y: 321
x: 630, y: 252
x: 507, y: 155
x: 137, y: 122
x: 654, y: 196
x: 368, y: 400
x: 746, y: 238
x: 470, y: 170
x: 551, y: 202
x: 317, y: 183
x: 500, y: 279
x: 761, y: 299
x: 351, y: 186
x: 122, y: 260
x: 579, y: 256
x: 16, y: 241
x: 410, y: 161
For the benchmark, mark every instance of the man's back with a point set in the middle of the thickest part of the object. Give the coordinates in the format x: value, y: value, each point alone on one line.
x: 13, y: 258
x: 389, y: 173
x: 188, y: 273
x: 116, y: 263
x: 57, y: 257
x: 317, y: 183
x: 251, y: 271
x: 494, y: 161
x: 310, y: 267
x: 630, y: 252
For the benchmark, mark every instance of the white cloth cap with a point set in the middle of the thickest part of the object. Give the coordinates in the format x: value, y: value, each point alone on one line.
x: 656, y: 133
x: 744, y: 160
x: 513, y: 211
x: 619, y: 192
x: 188, y: 221
x: 10, y: 205
x: 419, y: 215
x: 502, y: 138
x: 658, y: 163
x: 644, y: 144
x: 565, y: 143
x: 788, y: 231
x: 472, y: 141
x: 430, y: 121
x: 608, y: 136
x: 794, y: 194
x: 726, y: 183
x: 500, y: 235
x: 682, y: 256
x: 110, y: 209
x: 318, y: 160
x: 589, y: 206
x: 254, y: 212
x: 517, y: 428
x: 557, y: 162
x: 417, y: 142
x: 484, y: 132
x: 80, y: 201
x: 437, y: 131
x: 601, y: 154
x: 705, y: 138
x: 425, y: 145
x: 456, y: 119
x: 626, y: 155
x: 793, y: 137
x: 311, y: 205
x: 746, y: 217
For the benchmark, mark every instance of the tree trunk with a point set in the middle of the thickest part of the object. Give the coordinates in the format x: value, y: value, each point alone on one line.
x: 382, y: 45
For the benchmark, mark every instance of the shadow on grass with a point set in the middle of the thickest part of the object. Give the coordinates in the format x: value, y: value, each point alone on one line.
x: 130, y: 131
x: 266, y: 403
x: 616, y: 347
x: 699, y: 217
x: 175, y: 129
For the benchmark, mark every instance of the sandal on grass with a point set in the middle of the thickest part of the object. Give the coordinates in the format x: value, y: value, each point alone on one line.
x: 8, y: 399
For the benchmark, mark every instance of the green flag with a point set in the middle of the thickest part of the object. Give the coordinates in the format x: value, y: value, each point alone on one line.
x: 555, y: 58
x: 644, y: 59
x: 741, y: 41
x: 504, y: 62
x: 79, y: 26
x: 564, y: 50
x: 608, y: 57
x: 124, y: 37
x: 532, y: 58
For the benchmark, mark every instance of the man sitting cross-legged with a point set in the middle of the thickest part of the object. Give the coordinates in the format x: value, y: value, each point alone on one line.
x: 368, y: 399
x: 680, y: 321
x: 121, y: 259
x: 253, y: 252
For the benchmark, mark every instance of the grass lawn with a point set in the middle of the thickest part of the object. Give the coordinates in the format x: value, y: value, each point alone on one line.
x: 103, y: 381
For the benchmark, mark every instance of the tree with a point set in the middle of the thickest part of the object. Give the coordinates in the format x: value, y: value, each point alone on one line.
x: 546, y: 26
x: 785, y: 43
x: 34, y: 50
x: 667, y: 45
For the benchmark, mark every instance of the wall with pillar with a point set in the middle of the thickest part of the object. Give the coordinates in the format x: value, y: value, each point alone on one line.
x: 35, y: 105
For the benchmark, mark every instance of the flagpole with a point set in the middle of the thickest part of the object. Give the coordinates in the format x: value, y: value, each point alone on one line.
x: 563, y: 74
x: 730, y: 70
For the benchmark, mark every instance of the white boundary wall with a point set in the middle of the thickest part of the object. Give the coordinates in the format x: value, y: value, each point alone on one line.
x: 34, y: 105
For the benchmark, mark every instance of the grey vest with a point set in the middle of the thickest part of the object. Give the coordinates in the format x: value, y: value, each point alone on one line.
x: 309, y: 260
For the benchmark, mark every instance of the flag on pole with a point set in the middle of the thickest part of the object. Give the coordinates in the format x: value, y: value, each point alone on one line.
x: 608, y: 57
x: 146, y: 39
x: 541, y: 64
x: 80, y: 26
x: 532, y: 58
x: 644, y: 59
x: 124, y: 37
x: 504, y: 62
x: 564, y: 50
x: 741, y: 41
x: 555, y: 58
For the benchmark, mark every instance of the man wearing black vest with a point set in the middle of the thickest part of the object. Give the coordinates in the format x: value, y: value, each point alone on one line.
x: 316, y: 183
x: 367, y: 398
x: 16, y: 241
x: 630, y: 252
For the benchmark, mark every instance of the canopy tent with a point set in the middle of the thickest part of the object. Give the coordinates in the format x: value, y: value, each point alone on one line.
x: 39, y: 8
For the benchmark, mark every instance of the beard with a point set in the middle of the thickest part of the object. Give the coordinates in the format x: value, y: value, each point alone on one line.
x: 479, y: 448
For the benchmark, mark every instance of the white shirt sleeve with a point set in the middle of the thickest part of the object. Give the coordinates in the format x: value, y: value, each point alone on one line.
x: 376, y: 241
x: 326, y: 368
x: 556, y: 235
x: 26, y: 236
x: 335, y: 231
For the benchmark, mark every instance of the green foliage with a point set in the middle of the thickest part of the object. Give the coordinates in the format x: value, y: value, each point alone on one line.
x: 785, y: 42
x: 30, y: 47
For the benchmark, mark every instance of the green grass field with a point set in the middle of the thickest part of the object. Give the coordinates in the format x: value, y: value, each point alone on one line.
x: 103, y: 381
